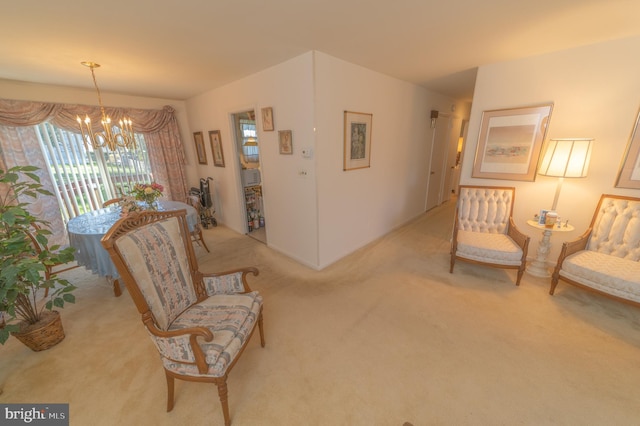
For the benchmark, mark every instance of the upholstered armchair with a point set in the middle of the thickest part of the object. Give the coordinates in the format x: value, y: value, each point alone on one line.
x: 484, y: 232
x: 606, y: 258
x: 199, y: 323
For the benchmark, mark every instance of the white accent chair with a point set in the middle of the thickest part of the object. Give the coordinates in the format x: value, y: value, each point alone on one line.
x: 484, y: 232
x: 606, y: 258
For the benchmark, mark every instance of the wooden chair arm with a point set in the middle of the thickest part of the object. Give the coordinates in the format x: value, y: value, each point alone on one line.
x: 574, y: 246
x: 570, y: 247
x: 520, y: 238
x: 210, y: 277
x: 204, y: 332
x: 192, y: 333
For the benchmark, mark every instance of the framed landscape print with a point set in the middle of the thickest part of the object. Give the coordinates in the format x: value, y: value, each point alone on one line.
x: 510, y: 141
x: 216, y: 148
x: 285, y: 142
x: 629, y: 175
x: 200, y: 149
x: 357, y: 140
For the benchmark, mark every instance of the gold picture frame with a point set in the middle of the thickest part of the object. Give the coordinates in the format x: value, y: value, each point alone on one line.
x: 201, y: 151
x: 267, y: 119
x: 510, y: 142
x: 285, y: 142
x: 216, y: 148
x: 629, y: 174
x: 357, y: 140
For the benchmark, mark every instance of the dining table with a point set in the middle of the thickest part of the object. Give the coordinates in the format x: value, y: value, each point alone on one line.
x: 86, y: 232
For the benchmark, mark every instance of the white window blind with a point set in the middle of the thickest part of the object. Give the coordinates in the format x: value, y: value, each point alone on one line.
x: 85, y: 177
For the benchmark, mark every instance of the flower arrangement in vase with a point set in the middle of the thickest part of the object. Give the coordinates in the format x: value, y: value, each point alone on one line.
x: 147, y: 192
x: 129, y: 204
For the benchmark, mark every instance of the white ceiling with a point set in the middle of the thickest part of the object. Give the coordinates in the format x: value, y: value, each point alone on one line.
x: 177, y: 49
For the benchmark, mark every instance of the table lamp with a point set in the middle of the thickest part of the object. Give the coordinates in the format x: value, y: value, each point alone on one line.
x: 566, y: 158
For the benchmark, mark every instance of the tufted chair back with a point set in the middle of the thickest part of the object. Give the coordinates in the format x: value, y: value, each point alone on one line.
x: 616, y: 228
x: 485, y: 209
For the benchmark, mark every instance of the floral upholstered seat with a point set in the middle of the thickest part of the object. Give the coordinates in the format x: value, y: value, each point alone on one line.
x: 484, y: 231
x: 606, y: 258
x: 200, y: 323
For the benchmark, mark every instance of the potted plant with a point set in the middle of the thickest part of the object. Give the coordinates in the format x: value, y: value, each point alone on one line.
x: 24, y: 259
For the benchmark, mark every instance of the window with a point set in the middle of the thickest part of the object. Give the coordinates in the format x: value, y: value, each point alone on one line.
x: 85, y: 177
x: 249, y: 141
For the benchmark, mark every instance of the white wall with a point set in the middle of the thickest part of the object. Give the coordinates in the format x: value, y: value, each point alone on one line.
x: 595, y: 91
x: 358, y: 206
x: 289, y: 200
x: 325, y: 213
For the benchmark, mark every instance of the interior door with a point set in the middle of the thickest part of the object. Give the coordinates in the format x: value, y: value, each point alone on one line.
x: 438, y: 165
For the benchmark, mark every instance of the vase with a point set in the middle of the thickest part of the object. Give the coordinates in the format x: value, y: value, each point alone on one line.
x: 152, y: 205
x: 42, y: 335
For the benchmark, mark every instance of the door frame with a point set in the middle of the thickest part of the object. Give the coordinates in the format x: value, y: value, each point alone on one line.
x: 443, y: 162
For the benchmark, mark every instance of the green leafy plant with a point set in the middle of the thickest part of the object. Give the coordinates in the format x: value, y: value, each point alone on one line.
x: 24, y: 260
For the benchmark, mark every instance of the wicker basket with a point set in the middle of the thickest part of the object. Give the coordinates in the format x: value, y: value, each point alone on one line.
x: 46, y: 333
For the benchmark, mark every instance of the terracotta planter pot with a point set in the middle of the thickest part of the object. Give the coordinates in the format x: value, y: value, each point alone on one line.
x: 42, y: 335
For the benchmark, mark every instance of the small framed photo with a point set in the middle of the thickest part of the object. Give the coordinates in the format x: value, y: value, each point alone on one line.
x: 542, y: 218
x: 200, y: 149
x: 267, y: 119
x: 216, y: 148
x: 510, y: 142
x: 629, y: 174
x: 357, y: 140
x: 285, y: 142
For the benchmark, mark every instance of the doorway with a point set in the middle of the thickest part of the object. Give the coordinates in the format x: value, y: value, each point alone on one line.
x: 438, y: 166
x: 248, y: 149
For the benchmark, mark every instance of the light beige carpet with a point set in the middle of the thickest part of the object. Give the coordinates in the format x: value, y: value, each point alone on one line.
x: 386, y: 336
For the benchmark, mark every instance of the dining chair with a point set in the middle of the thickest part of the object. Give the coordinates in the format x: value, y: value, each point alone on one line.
x: 111, y: 201
x: 199, y: 322
x: 196, y: 234
x: 484, y: 231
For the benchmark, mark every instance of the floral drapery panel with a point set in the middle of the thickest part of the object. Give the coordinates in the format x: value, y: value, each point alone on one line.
x: 19, y: 144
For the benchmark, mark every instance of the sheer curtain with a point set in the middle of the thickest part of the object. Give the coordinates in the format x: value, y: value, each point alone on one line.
x: 19, y: 146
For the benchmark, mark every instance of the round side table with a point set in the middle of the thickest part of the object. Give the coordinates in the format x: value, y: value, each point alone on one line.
x: 538, y: 267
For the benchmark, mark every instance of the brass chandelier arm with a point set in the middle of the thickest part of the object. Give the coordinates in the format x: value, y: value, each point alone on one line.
x: 123, y: 137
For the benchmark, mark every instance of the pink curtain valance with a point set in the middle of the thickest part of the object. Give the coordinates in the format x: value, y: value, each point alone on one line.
x: 19, y: 144
x: 16, y: 113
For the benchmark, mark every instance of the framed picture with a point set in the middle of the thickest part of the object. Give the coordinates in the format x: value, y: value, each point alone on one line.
x: 200, y: 150
x: 629, y: 175
x: 216, y: 148
x: 357, y: 140
x: 510, y: 141
x: 285, y: 140
x: 542, y: 218
x: 267, y: 119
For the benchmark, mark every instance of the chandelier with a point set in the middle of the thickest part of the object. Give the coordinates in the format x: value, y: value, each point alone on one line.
x: 122, y: 136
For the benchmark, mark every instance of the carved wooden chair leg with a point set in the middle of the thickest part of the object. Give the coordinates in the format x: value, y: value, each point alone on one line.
x: 116, y: 288
x: 520, y: 273
x: 170, y: 387
x: 202, y: 241
x: 223, y: 393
